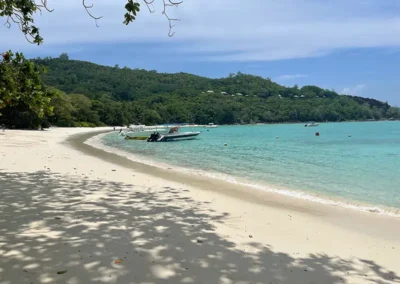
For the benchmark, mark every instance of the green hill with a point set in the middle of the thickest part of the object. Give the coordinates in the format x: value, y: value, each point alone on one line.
x: 113, y: 95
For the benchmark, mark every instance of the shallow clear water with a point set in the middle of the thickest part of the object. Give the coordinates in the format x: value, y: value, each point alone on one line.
x: 362, y: 168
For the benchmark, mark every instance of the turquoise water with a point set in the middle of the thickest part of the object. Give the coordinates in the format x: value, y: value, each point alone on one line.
x: 363, y: 168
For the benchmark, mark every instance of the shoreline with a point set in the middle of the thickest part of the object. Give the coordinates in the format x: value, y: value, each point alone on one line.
x: 71, y: 213
x: 333, y: 214
x: 95, y: 142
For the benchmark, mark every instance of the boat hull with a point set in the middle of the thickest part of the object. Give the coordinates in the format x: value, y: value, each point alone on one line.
x: 136, y: 138
x: 179, y: 136
x: 312, y: 125
x: 143, y: 135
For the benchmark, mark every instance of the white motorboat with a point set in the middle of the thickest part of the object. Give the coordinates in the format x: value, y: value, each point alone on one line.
x: 311, y: 124
x: 173, y: 135
x: 211, y: 125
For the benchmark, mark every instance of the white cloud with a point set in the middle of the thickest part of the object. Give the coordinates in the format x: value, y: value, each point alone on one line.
x: 356, y: 90
x: 226, y: 30
x: 288, y: 77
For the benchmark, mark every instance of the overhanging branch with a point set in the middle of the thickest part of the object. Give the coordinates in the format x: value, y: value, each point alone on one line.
x: 22, y: 13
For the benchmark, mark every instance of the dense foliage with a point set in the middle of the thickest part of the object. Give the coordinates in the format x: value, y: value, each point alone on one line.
x: 90, y: 93
x: 85, y: 94
x: 24, y: 101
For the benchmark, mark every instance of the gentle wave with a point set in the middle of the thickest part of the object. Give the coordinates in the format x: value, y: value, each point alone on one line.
x: 96, y: 142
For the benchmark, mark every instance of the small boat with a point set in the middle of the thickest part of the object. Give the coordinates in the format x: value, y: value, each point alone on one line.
x: 211, y: 125
x: 172, y: 135
x: 142, y: 132
x: 178, y: 136
x: 127, y: 137
x: 311, y: 124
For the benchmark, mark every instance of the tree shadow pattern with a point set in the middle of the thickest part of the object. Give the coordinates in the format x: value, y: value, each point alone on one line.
x: 79, y: 227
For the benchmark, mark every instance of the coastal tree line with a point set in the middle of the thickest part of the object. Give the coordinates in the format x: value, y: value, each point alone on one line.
x: 64, y: 92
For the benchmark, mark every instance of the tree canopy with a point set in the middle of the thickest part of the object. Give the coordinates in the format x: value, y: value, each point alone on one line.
x: 23, y: 13
x: 96, y: 95
x: 78, y: 93
x: 24, y: 101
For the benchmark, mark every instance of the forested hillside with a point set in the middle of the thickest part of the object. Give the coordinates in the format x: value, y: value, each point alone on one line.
x: 87, y: 92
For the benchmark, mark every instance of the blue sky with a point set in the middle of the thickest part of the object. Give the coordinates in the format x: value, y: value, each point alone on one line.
x: 350, y: 46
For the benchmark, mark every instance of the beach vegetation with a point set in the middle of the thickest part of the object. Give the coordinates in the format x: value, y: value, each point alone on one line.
x: 75, y: 93
x: 120, y: 96
x: 24, y: 100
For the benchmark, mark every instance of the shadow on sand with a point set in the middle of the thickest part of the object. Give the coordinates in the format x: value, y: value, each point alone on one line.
x: 79, y: 227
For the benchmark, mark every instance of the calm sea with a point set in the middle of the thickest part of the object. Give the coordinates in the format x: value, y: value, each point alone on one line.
x: 360, y: 170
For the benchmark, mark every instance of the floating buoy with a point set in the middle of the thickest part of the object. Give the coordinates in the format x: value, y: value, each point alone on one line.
x: 349, y: 135
x: 226, y: 144
x: 277, y: 137
x: 316, y: 133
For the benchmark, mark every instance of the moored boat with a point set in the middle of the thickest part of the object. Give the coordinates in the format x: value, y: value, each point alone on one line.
x: 211, y: 125
x: 173, y: 135
x: 179, y: 136
x: 127, y: 137
x: 313, y: 124
x: 142, y: 132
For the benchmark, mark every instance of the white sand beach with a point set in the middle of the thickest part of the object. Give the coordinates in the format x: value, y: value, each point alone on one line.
x: 70, y: 213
